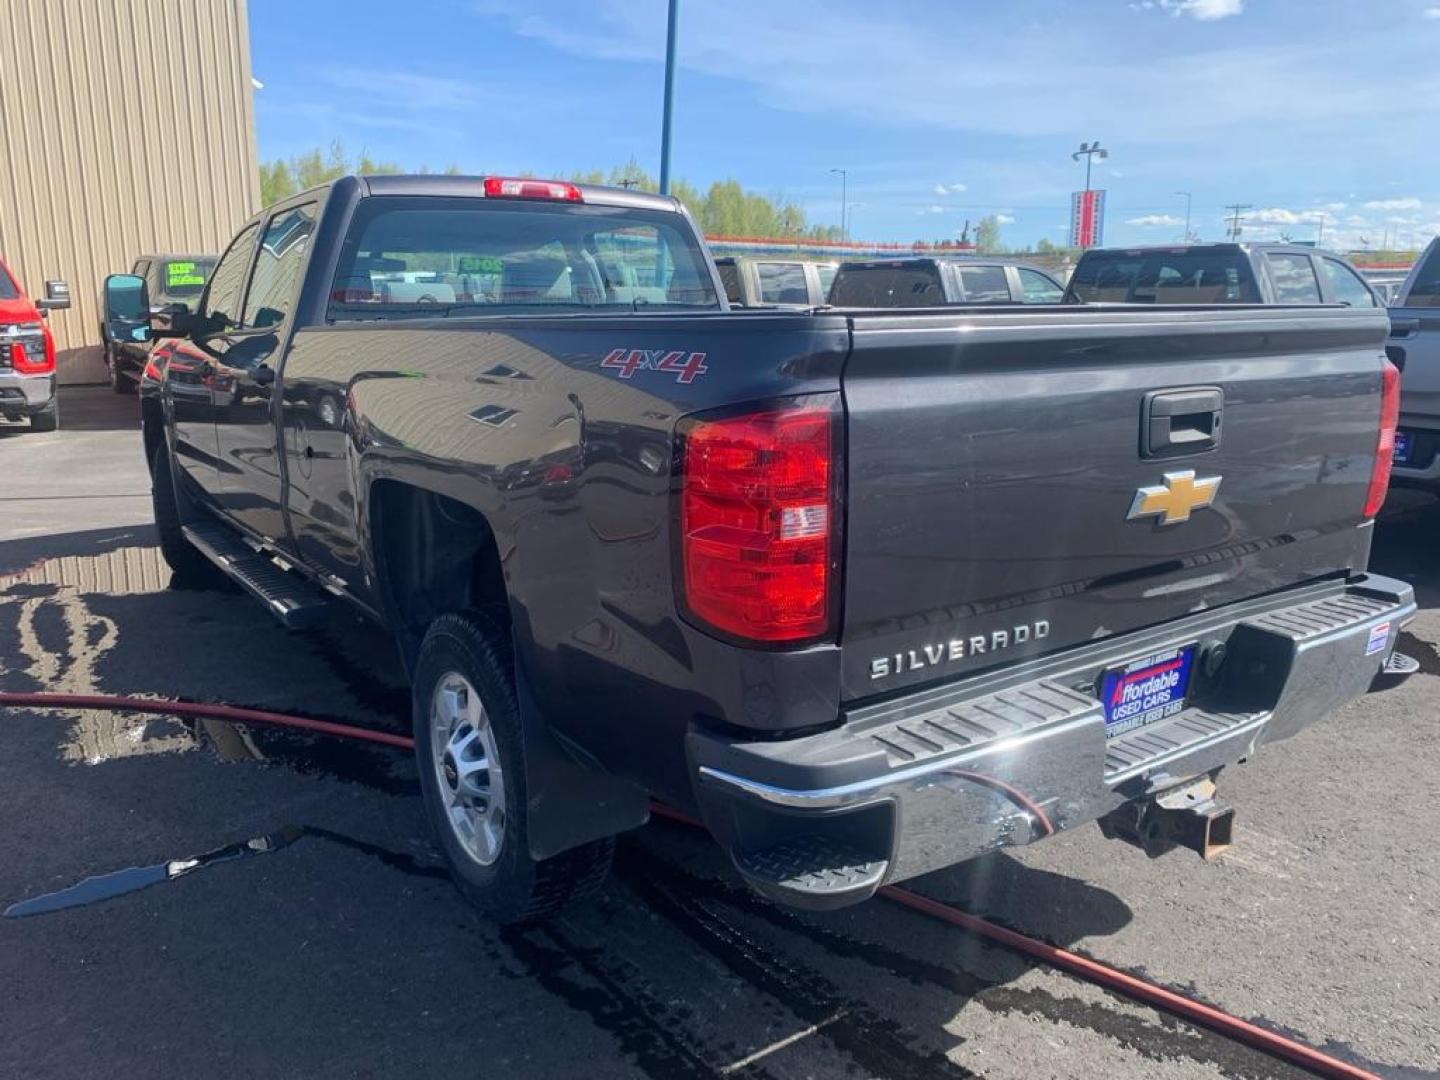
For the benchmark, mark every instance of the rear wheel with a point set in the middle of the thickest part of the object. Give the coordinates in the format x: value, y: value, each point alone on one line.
x: 191, y: 568
x: 469, y: 748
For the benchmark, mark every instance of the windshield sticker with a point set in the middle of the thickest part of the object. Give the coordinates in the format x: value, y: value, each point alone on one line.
x: 182, y: 273
x: 686, y: 367
x: 479, y: 264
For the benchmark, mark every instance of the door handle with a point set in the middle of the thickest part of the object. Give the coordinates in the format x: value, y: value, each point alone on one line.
x: 1175, y: 423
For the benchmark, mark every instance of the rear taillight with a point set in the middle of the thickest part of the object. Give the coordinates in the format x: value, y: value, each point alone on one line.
x: 506, y: 187
x: 1385, y: 448
x: 759, y: 521
x: 34, y: 354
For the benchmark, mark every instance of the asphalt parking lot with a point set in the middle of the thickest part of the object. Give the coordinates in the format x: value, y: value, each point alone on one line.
x: 346, y: 952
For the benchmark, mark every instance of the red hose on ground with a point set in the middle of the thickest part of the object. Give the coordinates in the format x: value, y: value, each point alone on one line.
x: 203, y: 711
x: 1093, y: 971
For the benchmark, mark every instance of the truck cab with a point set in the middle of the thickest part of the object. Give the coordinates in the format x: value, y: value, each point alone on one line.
x: 928, y: 282
x: 1277, y: 274
x: 27, y: 353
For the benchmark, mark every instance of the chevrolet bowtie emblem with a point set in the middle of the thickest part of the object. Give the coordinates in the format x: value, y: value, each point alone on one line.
x: 1173, y: 500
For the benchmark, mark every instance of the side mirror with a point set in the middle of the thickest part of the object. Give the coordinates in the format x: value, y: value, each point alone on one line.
x: 57, y: 296
x: 126, y: 305
x: 173, y: 320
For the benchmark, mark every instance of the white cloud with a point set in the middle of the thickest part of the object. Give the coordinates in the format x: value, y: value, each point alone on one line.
x: 956, y: 189
x: 933, y: 209
x: 1004, y: 219
x: 1335, y: 207
x: 941, y: 189
x: 1393, y: 204
x: 953, y: 189
x: 1155, y: 221
x: 1203, y: 10
x: 1279, y: 215
x: 1432, y: 13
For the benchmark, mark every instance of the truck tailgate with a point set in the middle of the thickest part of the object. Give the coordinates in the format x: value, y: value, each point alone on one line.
x: 995, y: 470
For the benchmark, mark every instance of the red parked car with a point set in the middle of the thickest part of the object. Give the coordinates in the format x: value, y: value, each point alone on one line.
x: 27, y: 352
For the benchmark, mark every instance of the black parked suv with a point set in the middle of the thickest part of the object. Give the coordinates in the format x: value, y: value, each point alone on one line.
x: 170, y: 280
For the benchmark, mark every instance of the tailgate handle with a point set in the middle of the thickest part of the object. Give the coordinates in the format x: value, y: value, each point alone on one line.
x: 1174, y: 423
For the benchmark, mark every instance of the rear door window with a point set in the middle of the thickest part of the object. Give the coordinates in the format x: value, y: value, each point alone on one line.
x: 983, y: 284
x: 1294, y: 278
x: 782, y: 283
x: 888, y: 285
x: 826, y: 271
x: 1345, y: 286
x: 730, y: 278
x: 1036, y: 288
x: 278, y: 266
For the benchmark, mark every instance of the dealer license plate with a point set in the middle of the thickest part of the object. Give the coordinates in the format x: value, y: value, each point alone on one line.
x: 1146, y: 690
x: 1403, y: 442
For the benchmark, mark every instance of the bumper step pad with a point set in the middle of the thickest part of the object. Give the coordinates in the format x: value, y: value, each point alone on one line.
x: 288, y: 596
x: 814, y: 872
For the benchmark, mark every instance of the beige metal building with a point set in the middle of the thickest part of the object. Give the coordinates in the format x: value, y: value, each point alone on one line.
x: 126, y: 126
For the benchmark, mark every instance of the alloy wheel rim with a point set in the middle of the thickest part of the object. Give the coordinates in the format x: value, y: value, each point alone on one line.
x: 467, y: 768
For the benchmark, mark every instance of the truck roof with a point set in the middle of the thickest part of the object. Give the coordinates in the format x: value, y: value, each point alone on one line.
x: 1223, y: 247
x: 474, y: 187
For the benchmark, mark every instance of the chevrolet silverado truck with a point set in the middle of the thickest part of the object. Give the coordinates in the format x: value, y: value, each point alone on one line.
x: 1415, y: 348
x: 27, y: 353
x: 870, y: 592
x: 1219, y: 274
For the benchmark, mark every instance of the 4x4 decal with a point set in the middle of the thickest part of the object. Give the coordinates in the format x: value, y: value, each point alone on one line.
x: 686, y: 367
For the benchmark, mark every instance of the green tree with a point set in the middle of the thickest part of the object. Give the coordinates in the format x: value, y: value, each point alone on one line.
x: 987, y: 236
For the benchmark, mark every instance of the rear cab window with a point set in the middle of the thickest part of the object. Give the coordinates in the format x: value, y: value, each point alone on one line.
x: 425, y: 256
x: 1164, y: 277
x: 183, y: 278
x: 888, y: 284
x: 730, y: 279
x: 1293, y: 277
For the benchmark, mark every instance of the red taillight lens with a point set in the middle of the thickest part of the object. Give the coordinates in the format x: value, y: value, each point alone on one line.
x: 505, y: 187
x: 759, y: 524
x: 35, y: 355
x: 1385, y: 448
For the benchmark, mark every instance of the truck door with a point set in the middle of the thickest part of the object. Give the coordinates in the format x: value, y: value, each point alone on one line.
x: 190, y: 374
x: 245, y: 377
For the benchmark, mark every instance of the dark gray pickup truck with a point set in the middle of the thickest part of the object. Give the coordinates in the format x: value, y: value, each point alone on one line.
x: 870, y: 592
x: 1415, y: 349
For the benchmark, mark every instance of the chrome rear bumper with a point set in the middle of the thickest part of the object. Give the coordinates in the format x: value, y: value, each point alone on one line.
x: 916, y: 784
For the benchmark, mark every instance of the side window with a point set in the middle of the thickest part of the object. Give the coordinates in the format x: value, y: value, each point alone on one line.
x: 1037, y: 288
x: 827, y: 272
x: 1346, y: 285
x: 1294, y: 277
x: 984, y: 284
x: 278, y: 266
x: 1425, y: 290
x: 782, y: 283
x: 227, y: 284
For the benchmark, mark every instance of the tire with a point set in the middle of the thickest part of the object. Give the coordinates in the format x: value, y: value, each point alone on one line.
x: 191, y: 568
x: 49, y: 420
x: 119, y: 382
x: 469, y: 656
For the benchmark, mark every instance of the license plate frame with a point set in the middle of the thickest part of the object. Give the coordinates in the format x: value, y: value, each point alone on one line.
x: 1147, y: 689
x: 1404, y: 444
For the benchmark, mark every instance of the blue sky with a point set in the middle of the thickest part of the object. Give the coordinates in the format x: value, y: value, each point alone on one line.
x: 1313, y: 111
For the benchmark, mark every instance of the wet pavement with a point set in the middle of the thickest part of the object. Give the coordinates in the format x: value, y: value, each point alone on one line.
x: 238, y: 903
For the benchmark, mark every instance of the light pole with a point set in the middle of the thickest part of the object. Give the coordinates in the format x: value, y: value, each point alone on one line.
x: 1187, y: 214
x: 669, y: 99
x: 843, y: 182
x: 1089, y: 151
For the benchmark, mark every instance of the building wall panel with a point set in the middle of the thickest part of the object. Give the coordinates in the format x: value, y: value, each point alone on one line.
x: 126, y: 126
